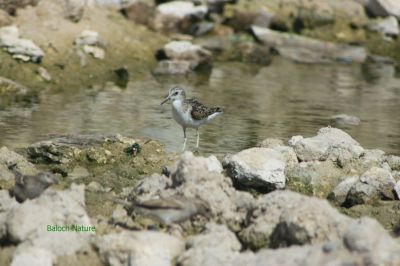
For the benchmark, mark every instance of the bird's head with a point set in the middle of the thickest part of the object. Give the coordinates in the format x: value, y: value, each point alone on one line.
x: 175, y: 93
x: 47, y: 178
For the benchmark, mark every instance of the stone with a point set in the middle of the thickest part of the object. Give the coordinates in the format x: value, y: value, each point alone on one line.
x: 258, y: 168
x: 56, y: 208
x: 216, y: 245
x: 186, y: 51
x: 139, y: 248
x: 21, y: 48
x: 90, y: 38
x: 270, y: 143
x: 388, y: 27
x: 96, y: 52
x: 323, y: 146
x: 197, y: 177
x: 345, y: 120
x: 177, y: 15
x: 97, y: 187
x: 285, y: 218
x: 368, y: 238
x: 11, y: 6
x: 78, y: 172
x: 9, y: 158
x: 373, y: 185
x: 339, y: 193
x: 397, y: 189
x: 307, y: 50
x: 139, y: 12
x: 44, y: 74
x: 394, y: 162
x: 384, y: 8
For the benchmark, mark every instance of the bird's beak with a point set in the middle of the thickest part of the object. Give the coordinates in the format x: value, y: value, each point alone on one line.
x: 165, y: 100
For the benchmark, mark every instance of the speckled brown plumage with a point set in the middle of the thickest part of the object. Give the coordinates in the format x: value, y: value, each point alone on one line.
x: 200, y: 111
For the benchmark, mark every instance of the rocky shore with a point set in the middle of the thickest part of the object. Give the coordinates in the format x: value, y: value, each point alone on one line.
x: 312, y: 200
x: 67, y: 44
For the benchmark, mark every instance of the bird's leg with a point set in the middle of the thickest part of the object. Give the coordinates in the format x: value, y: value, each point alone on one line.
x: 184, y: 142
x: 198, y: 139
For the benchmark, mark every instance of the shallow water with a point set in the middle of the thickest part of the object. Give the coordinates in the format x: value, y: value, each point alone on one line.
x: 280, y: 100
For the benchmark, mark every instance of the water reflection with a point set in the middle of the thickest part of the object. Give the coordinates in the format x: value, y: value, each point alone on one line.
x: 280, y: 100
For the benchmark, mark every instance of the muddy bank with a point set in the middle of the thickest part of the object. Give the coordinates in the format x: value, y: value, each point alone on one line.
x: 125, y: 46
x: 253, y: 199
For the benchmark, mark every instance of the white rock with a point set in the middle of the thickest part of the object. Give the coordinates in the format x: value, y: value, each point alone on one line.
x: 257, y: 167
x: 139, y: 248
x: 184, y: 50
x: 56, y: 208
x: 397, y: 189
x: 328, y: 140
x: 343, y: 119
x: 181, y: 9
x: 96, y: 52
x: 384, y: 8
x: 387, y: 27
x: 89, y: 37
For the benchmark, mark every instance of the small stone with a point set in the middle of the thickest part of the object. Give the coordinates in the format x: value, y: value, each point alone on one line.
x: 96, y: 52
x: 44, y: 74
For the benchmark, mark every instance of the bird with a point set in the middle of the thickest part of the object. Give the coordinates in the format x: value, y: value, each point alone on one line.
x: 31, y: 186
x: 169, y: 210
x: 189, y: 113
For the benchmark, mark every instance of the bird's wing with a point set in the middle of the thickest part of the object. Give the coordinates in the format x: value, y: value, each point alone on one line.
x: 163, y: 203
x: 200, y: 111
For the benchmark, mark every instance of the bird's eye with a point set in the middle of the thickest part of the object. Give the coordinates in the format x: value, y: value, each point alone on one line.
x: 176, y: 93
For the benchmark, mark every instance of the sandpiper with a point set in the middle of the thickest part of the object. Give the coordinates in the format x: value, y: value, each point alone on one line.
x: 174, y: 209
x: 189, y: 113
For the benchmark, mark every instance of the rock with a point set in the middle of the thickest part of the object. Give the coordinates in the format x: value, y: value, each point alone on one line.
x: 22, y: 49
x: 397, y: 189
x: 388, y: 27
x: 201, y: 28
x: 151, y: 186
x: 186, y: 51
x: 44, y: 74
x: 139, y: 248
x: 376, y: 183
x: 90, y: 38
x: 259, y: 168
x: 32, y: 256
x: 242, y: 20
x: 314, y: 177
x: 57, y: 208
x: 9, y: 158
x: 308, y: 50
x: 285, y: 218
x: 74, y: 9
x: 215, y: 246
x: 139, y: 12
x: 189, y: 163
x: 339, y: 193
x: 330, y: 143
x: 345, y: 120
x: 91, y: 43
x: 198, y: 177
x: 394, y: 162
x: 97, y: 187
x: 384, y: 8
x: 270, y: 143
x: 177, y: 16
x: 367, y: 237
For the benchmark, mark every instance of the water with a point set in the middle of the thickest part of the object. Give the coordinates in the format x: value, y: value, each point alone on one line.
x: 281, y: 100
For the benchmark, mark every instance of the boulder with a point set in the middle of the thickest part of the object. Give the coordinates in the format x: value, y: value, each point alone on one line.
x: 64, y: 209
x: 383, y: 8
x: 374, y: 184
x: 331, y: 143
x: 394, y: 162
x: 215, y: 246
x: 177, y: 16
x: 258, y: 168
x: 388, y: 27
x: 139, y: 248
x: 307, y: 50
x: 285, y: 218
x: 21, y: 49
x: 32, y: 256
x: 339, y: 193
